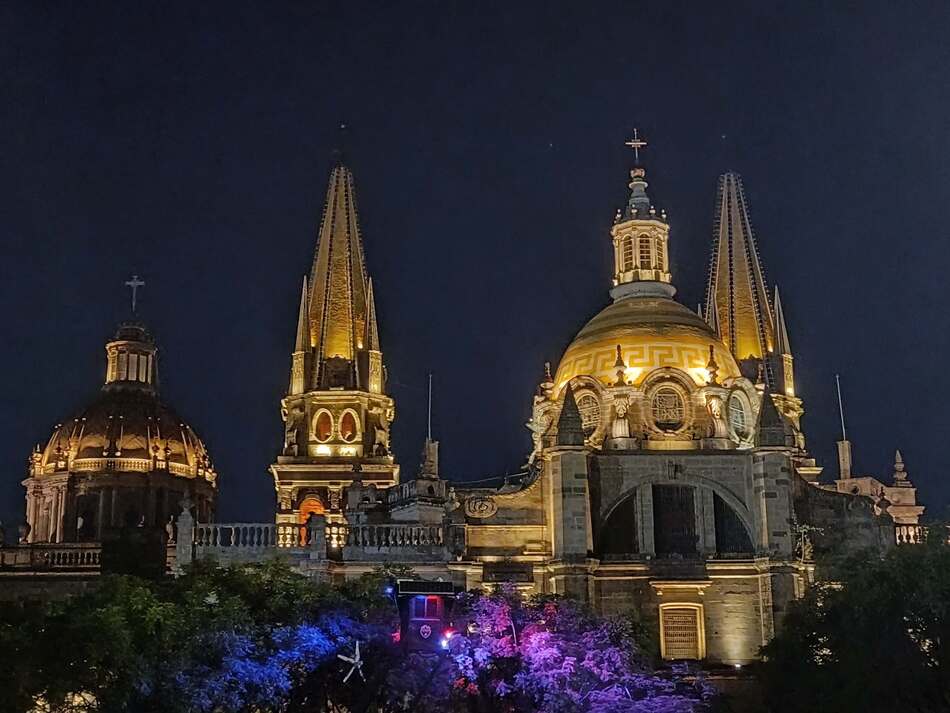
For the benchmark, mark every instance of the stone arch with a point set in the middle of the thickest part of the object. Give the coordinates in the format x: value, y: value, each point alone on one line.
x: 696, y: 481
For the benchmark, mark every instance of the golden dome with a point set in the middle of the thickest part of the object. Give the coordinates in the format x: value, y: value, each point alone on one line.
x: 127, y: 427
x: 653, y: 332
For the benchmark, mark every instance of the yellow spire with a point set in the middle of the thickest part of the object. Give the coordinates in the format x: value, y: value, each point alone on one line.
x: 736, y: 285
x: 338, y: 284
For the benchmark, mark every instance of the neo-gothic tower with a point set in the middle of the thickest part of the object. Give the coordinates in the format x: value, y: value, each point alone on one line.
x: 336, y: 412
x: 737, y: 302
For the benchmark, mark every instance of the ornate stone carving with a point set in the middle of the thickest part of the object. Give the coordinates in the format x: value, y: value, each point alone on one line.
x: 295, y: 431
x: 620, y: 428
x: 717, y: 423
x: 480, y: 506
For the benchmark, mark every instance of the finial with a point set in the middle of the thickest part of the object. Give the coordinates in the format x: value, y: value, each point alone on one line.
x: 712, y: 367
x: 899, y: 472
x: 134, y: 284
x: 547, y: 372
x: 339, y: 151
x: 620, y: 366
x: 636, y: 143
x: 618, y: 215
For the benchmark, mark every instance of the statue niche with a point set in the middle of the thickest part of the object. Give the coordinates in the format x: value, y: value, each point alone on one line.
x: 295, y: 431
x: 379, y: 419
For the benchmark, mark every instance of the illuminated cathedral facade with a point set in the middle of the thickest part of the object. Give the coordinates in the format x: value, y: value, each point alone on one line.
x: 668, y: 470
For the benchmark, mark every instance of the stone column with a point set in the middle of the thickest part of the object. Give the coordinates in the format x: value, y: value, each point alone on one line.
x: 101, y: 515
x: 184, y: 544
x: 645, y: 519
x: 706, y: 519
x: 114, y: 506
x: 317, y: 536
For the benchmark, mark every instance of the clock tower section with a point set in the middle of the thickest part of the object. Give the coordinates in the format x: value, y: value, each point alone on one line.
x: 336, y: 412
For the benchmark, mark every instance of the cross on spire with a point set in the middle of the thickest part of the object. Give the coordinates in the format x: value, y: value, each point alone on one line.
x: 134, y: 284
x: 636, y: 143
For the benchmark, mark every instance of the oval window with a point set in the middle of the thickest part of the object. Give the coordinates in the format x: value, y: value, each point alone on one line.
x: 668, y: 409
x: 348, y: 429
x: 323, y: 428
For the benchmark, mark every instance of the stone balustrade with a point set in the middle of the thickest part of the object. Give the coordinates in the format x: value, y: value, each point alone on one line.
x: 908, y: 534
x: 390, y: 536
x: 65, y: 556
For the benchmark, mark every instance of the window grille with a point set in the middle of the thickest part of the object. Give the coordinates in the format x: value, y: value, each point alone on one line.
x: 668, y: 409
x: 681, y: 633
x: 589, y: 408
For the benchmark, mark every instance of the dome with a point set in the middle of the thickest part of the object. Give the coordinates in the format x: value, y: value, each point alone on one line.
x: 653, y: 332
x: 134, y: 431
x: 126, y: 427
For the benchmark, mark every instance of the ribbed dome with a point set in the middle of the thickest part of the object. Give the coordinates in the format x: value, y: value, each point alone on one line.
x: 127, y: 427
x: 653, y: 332
x: 133, y: 430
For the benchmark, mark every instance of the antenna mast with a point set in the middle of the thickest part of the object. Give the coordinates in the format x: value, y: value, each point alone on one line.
x: 844, y: 433
x: 429, y: 420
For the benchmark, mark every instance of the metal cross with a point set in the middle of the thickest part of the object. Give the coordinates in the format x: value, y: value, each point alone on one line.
x: 636, y: 143
x: 135, y: 283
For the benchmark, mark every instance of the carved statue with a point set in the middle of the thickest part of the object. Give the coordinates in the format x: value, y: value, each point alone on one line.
x: 620, y: 428
x: 380, y: 430
x: 24, y: 533
x: 295, y: 431
x: 717, y: 424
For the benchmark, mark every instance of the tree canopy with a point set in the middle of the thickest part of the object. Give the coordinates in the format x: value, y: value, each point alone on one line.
x: 263, y: 639
x: 875, y: 638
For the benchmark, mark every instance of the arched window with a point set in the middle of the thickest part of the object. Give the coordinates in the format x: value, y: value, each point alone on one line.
x: 659, y: 254
x: 348, y: 427
x: 645, y: 257
x: 668, y: 409
x: 589, y: 408
x: 737, y: 416
x: 626, y: 262
x: 323, y: 427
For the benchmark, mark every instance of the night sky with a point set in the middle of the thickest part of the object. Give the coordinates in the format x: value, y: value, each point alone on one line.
x: 190, y: 143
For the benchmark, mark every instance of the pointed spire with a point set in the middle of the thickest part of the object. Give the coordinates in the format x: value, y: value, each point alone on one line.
x: 782, y: 345
x: 736, y: 278
x: 570, y: 428
x: 712, y: 316
x: 338, y: 277
x: 372, y: 331
x: 338, y: 308
x: 772, y: 429
x: 302, y: 342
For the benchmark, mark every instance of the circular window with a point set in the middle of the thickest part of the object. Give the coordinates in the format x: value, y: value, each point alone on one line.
x: 589, y: 408
x: 668, y: 408
x: 348, y: 429
x: 323, y: 427
x: 737, y: 416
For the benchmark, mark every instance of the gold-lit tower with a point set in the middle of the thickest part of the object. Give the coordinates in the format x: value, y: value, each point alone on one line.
x: 336, y: 413
x: 737, y: 301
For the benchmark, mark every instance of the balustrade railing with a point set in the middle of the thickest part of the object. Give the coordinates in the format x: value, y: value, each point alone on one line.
x: 251, y: 535
x: 908, y: 534
x: 61, y: 556
x: 380, y: 536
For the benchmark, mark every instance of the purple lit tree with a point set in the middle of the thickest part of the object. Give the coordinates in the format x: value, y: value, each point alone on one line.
x: 544, y: 655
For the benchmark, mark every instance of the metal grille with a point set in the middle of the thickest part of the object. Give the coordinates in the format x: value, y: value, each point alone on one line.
x: 668, y: 410
x: 681, y: 633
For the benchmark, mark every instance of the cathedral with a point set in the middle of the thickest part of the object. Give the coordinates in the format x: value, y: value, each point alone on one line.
x: 668, y: 470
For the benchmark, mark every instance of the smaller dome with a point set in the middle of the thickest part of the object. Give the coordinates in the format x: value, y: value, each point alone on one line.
x: 653, y: 332
x: 132, y: 429
x: 126, y: 427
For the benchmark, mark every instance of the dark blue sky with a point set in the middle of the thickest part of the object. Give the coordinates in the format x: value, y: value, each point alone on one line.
x: 190, y: 143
